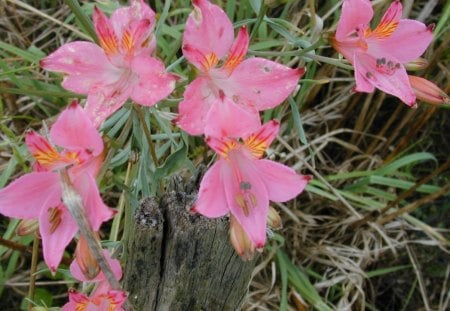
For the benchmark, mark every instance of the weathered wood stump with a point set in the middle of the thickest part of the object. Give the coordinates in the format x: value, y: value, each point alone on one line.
x: 181, y: 261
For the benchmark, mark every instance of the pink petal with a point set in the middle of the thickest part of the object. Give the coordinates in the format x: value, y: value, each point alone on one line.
x: 392, y: 81
x: 97, y: 212
x: 409, y: 40
x: 107, y: 37
x: 101, y: 103
x: 208, y: 30
x: 356, y: 15
x: 228, y: 119
x: 282, y: 183
x: 247, y: 196
x: 211, y: 201
x: 85, y: 64
x: 238, y: 50
x: 260, y: 83
x: 25, y: 197
x: 56, y: 235
x: 392, y: 14
x: 192, y: 111
x: 137, y: 11
x: 75, y: 131
x: 114, y: 264
x: 154, y: 83
x: 221, y: 145
x: 263, y: 137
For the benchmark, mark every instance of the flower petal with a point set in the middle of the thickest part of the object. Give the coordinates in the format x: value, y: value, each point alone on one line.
x: 75, y: 131
x: 238, y: 49
x: 211, y: 201
x: 137, y: 11
x: 107, y: 37
x: 262, y: 83
x: 282, y: 182
x: 355, y: 14
x: 85, y: 63
x: 25, y: 197
x: 228, y: 119
x: 247, y: 196
x: 192, y: 111
x: 154, y: 82
x: 391, y: 77
x: 259, y: 141
x: 208, y: 31
x: 101, y: 103
x: 97, y: 212
x: 407, y: 42
x: 56, y: 234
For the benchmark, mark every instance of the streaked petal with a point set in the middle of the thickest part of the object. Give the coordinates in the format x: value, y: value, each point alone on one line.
x: 192, y: 111
x: 228, y: 119
x: 85, y: 64
x: 282, y: 182
x: 56, y: 234
x: 96, y: 211
x: 211, y: 201
x: 208, y: 30
x: 75, y: 131
x: 259, y: 141
x: 262, y: 83
x: 238, y: 50
x: 407, y: 42
x: 154, y: 82
x: 393, y: 80
x: 355, y: 14
x: 247, y: 196
x: 107, y: 37
x: 26, y: 196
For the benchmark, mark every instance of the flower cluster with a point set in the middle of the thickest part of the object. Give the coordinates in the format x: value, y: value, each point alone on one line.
x: 223, y: 103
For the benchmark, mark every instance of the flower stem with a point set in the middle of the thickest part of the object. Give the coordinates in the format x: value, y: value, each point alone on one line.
x: 147, y: 133
x: 34, y: 260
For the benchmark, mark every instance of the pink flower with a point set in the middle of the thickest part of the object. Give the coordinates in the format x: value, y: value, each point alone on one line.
x: 117, y: 69
x: 37, y: 195
x: 104, y: 298
x: 242, y: 183
x: 111, y: 300
x: 225, y: 100
x: 379, y: 55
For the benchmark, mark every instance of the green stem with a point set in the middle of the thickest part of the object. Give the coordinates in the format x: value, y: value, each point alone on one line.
x: 261, y: 14
x: 147, y: 133
x: 85, y: 22
x: 34, y: 260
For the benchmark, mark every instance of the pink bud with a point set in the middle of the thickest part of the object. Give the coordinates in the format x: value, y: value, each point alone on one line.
x: 428, y: 92
x: 27, y: 226
x: 417, y: 64
x: 85, y: 260
x: 242, y: 244
x: 274, y: 219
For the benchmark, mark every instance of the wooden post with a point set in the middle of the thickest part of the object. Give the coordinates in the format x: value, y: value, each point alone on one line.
x: 181, y: 261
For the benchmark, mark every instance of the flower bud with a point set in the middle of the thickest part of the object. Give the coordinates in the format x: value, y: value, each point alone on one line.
x: 85, y: 260
x: 274, y: 219
x: 242, y: 244
x: 417, y: 64
x: 428, y: 92
x: 27, y: 226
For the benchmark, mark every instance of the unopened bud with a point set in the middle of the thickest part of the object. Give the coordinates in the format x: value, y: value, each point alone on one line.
x: 417, y: 64
x: 274, y: 219
x: 428, y: 92
x: 85, y: 260
x: 242, y: 244
x: 27, y: 226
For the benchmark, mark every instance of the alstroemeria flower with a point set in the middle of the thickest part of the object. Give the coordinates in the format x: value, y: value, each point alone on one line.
x: 37, y: 195
x: 225, y: 98
x: 111, y: 300
x: 242, y: 183
x: 120, y: 68
x: 379, y: 55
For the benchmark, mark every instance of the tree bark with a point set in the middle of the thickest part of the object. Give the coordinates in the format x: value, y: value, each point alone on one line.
x: 181, y: 261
